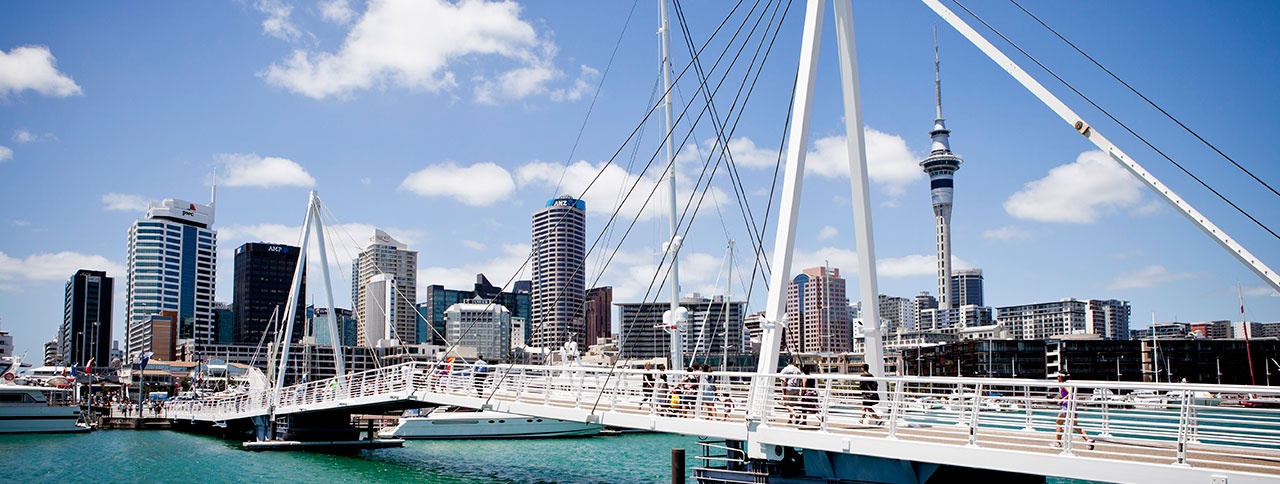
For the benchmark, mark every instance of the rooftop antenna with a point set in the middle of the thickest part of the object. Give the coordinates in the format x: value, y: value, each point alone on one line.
x: 937, y: 72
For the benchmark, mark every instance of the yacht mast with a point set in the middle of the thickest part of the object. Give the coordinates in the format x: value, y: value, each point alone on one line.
x: 674, y: 317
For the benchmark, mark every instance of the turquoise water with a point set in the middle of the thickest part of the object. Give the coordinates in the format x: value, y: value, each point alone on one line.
x: 163, y: 456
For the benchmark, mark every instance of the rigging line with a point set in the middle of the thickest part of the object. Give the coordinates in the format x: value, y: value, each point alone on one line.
x: 595, y: 96
x: 1144, y: 98
x: 1121, y: 124
x: 735, y: 177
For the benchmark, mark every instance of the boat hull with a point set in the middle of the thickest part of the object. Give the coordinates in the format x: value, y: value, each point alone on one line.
x: 40, y: 419
x: 486, y: 425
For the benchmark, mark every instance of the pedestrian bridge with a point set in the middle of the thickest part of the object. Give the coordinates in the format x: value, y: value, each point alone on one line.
x: 1139, y: 432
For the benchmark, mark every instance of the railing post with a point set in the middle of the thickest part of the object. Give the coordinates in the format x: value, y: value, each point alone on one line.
x: 1026, y: 404
x: 973, y: 417
x: 896, y: 400
x: 825, y: 402
x: 1106, y: 418
x: 1184, y: 428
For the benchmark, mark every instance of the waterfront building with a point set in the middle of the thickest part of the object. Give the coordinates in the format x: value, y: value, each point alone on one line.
x: 1211, y: 329
x: 519, y: 301
x: 480, y: 324
x: 977, y: 358
x: 398, y: 265
x: 86, y: 318
x: 966, y: 287
x: 263, y: 279
x: 559, y: 273
x: 1106, y: 318
x: 158, y: 333
x: 1224, y: 361
x: 1088, y: 357
x: 817, y: 312
x: 1255, y: 329
x: 954, y: 319
x: 598, y: 313
x: 173, y: 257
x: 715, y: 329
x: 1163, y: 330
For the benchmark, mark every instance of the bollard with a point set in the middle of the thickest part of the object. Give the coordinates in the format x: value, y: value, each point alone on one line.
x: 677, y: 466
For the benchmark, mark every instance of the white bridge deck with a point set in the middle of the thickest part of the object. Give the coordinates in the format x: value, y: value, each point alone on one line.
x: 1158, y: 433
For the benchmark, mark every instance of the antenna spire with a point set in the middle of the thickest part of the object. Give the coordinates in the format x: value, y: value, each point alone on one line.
x: 937, y: 72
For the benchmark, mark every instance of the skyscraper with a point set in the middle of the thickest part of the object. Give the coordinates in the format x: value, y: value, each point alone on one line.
x: 173, y: 256
x: 817, y: 312
x: 599, y: 313
x: 559, y: 281
x: 385, y: 255
x: 86, y: 318
x: 941, y: 165
x: 966, y: 288
x: 263, y: 278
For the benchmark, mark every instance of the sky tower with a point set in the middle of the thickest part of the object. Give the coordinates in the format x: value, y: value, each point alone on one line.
x: 941, y: 165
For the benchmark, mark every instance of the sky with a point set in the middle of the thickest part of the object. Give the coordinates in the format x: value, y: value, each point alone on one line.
x: 447, y: 124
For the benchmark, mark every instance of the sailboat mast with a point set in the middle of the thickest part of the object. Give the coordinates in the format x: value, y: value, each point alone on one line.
x: 672, y: 246
x: 1245, y: 323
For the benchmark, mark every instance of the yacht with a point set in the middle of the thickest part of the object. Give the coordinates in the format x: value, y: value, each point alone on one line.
x: 462, y: 423
x: 33, y: 409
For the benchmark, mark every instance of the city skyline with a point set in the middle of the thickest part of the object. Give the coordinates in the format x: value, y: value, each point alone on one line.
x: 117, y: 108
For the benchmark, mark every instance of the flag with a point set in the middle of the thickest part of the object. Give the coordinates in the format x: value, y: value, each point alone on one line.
x: 142, y: 364
x: 88, y: 367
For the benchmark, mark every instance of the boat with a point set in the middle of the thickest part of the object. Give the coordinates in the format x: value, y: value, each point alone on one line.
x: 462, y: 423
x: 37, y: 409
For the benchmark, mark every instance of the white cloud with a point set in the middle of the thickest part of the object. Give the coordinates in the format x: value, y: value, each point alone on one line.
x: 1148, y: 277
x: 889, y: 162
x: 828, y: 232
x: 59, y: 266
x: 1262, y: 290
x: 251, y: 170
x: 33, y: 67
x: 416, y: 44
x: 278, y: 24
x: 610, y: 186
x: 337, y: 11
x: 472, y: 244
x: 366, y: 181
x: 1006, y: 233
x: 498, y: 270
x: 481, y: 184
x: 6, y: 154
x: 581, y: 86
x: 124, y: 202
x: 1079, y: 192
x: 746, y: 153
x: 21, y: 223
x: 26, y: 136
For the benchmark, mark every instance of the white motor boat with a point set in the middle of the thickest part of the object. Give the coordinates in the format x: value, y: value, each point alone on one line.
x: 462, y: 423
x: 29, y: 409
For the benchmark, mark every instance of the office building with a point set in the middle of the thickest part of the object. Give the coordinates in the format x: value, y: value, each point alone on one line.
x: 480, y: 324
x: 559, y: 278
x: 263, y: 279
x: 387, y: 256
x: 171, y: 265
x: 519, y: 301
x: 966, y: 287
x: 86, y: 318
x: 716, y: 328
x: 346, y: 324
x: 817, y: 313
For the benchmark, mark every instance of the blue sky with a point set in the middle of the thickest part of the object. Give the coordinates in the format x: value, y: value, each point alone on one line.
x: 447, y: 125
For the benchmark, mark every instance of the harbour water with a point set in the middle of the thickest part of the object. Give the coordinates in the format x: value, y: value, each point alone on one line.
x: 165, y: 456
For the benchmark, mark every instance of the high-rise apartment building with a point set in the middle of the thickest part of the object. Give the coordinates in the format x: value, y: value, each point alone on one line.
x: 385, y: 255
x: 559, y: 278
x: 173, y: 256
x: 263, y: 278
x: 86, y: 318
x: 817, y: 312
x: 599, y: 314
x: 897, y: 314
x: 1106, y: 318
x: 919, y: 304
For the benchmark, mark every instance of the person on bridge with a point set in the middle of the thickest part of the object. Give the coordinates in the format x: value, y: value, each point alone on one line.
x: 870, y: 395
x: 481, y: 374
x: 1067, y: 404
